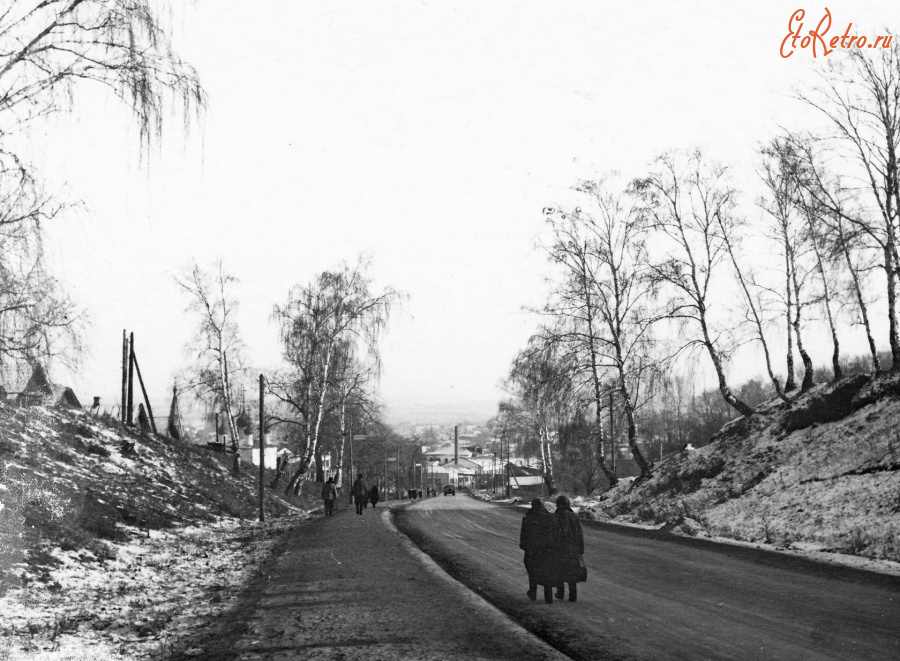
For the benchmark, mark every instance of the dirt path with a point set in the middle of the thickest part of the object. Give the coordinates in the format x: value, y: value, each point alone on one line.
x: 347, y: 587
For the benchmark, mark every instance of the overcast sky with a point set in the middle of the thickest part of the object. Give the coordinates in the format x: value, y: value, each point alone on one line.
x: 428, y: 134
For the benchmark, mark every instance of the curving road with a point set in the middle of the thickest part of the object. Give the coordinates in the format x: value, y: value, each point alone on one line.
x: 653, y: 598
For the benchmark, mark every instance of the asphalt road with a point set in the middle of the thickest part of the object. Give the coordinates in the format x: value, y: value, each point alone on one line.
x: 651, y: 598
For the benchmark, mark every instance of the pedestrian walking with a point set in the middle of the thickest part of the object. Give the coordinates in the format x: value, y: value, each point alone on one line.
x: 569, y: 548
x: 360, y: 493
x: 537, y: 540
x: 329, y: 496
x: 373, y: 496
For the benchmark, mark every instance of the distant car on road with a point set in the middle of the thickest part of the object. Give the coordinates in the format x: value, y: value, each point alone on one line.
x: 449, y: 490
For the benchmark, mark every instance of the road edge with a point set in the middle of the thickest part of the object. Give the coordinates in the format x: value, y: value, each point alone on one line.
x: 809, y: 562
x: 472, y: 599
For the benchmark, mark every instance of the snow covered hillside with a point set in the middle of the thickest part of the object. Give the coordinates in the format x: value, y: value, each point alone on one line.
x: 114, y: 543
x: 822, y: 475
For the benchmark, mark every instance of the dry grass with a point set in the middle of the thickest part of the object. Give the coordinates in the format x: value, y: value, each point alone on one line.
x: 112, y: 543
x: 826, y: 473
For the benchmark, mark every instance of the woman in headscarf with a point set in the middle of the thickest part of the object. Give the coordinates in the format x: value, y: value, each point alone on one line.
x: 536, y: 539
x: 569, y: 543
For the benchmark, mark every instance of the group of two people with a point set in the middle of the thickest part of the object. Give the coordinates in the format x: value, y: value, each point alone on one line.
x: 363, y: 495
x: 554, y: 546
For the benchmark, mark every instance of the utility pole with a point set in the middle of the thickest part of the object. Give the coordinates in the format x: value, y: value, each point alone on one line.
x: 122, y: 411
x: 129, y: 416
x: 262, y: 449
x: 507, y: 467
x: 500, y: 467
x: 137, y: 368
x: 398, y: 470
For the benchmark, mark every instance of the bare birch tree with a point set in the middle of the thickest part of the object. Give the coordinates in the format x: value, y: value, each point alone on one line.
x: 351, y: 380
x: 617, y: 293
x: 859, y: 96
x: 50, y: 48
x: 578, y: 323
x: 842, y: 230
x: 778, y: 172
x: 38, y: 320
x: 48, y: 51
x: 813, y: 214
x: 541, y: 378
x: 217, y: 347
x: 754, y: 307
x: 688, y: 207
x: 339, y: 306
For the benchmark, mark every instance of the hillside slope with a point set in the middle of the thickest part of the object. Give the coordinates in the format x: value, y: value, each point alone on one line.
x: 112, y: 542
x: 822, y: 475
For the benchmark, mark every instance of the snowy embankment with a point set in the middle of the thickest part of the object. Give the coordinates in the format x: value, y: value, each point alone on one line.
x: 114, y: 544
x: 821, y: 476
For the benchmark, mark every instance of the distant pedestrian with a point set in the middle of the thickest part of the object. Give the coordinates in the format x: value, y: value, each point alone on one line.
x: 360, y: 493
x: 329, y: 496
x: 536, y: 539
x: 569, y: 548
x: 373, y: 496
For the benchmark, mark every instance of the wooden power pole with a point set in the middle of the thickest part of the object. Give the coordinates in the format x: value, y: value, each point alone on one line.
x: 262, y: 449
x: 129, y: 416
x: 137, y: 368
x: 123, y: 408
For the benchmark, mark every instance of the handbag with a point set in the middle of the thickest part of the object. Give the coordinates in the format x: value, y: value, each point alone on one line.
x: 582, y: 571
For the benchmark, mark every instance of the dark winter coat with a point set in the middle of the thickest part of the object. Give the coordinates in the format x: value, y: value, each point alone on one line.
x: 569, y: 543
x: 360, y: 491
x: 536, y: 539
x: 373, y: 495
x: 329, y: 491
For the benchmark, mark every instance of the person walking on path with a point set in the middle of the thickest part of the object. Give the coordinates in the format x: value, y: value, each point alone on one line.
x: 569, y: 547
x: 373, y: 496
x: 360, y: 493
x: 536, y: 539
x: 329, y: 496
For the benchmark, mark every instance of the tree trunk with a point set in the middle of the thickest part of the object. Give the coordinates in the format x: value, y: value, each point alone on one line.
x: 892, y: 303
x: 756, y: 319
x: 293, y: 485
x: 790, y: 384
x: 820, y: 267
x: 296, y: 481
x: 860, y: 301
x: 315, y: 450
x: 320, y: 466
x: 546, y: 460
x: 808, y: 378
x: 644, y: 465
x: 740, y: 406
x: 339, y: 467
x: 892, y: 197
x: 226, y: 397
x: 611, y: 476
